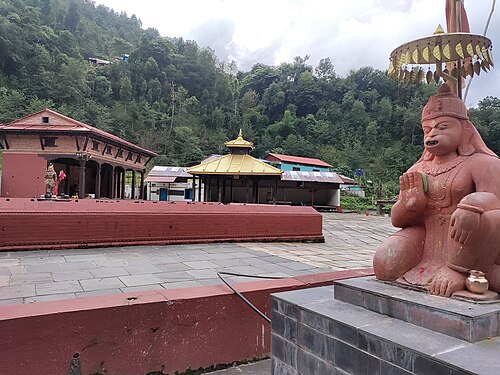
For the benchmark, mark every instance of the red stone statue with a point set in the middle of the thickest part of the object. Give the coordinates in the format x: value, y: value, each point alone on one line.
x: 448, y: 207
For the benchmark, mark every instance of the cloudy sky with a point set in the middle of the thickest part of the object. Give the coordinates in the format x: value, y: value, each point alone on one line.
x: 352, y: 34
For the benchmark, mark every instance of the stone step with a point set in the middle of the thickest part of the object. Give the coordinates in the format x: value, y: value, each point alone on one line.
x: 464, y: 320
x: 313, y: 333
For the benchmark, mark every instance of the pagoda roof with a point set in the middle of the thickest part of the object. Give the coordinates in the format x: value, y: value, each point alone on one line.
x: 239, y: 142
x: 233, y: 164
x: 33, y: 124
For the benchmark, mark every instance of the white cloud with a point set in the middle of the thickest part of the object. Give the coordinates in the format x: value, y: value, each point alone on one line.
x: 352, y: 33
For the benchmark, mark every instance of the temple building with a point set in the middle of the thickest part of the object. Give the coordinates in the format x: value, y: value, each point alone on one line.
x: 236, y: 177
x: 95, y: 163
x: 240, y: 178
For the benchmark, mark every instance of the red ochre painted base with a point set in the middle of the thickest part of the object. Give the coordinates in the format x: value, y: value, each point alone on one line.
x: 32, y: 224
x: 138, y: 333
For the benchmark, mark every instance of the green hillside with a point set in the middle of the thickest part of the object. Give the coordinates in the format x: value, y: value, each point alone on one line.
x: 179, y: 100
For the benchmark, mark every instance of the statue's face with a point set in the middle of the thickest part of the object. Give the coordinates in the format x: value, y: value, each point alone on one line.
x: 442, y: 135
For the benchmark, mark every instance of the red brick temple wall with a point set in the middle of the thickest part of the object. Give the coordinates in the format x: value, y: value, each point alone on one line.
x: 94, y: 223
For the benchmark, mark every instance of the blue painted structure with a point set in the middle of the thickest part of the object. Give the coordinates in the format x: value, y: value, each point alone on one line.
x: 301, y: 167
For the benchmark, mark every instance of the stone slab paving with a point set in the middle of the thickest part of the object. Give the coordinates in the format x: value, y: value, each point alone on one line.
x: 43, y: 275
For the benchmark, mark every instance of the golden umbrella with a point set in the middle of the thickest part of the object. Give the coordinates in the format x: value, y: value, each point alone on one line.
x: 423, y: 59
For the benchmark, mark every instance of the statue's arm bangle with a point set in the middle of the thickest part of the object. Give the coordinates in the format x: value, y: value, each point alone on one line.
x: 457, y: 268
x: 468, y: 207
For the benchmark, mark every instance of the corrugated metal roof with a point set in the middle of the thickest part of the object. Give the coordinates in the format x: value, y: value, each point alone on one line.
x: 347, y: 180
x: 328, y: 177
x: 72, y: 125
x: 159, y: 170
x: 160, y: 179
x: 299, y: 160
x: 244, y: 165
x: 166, y: 174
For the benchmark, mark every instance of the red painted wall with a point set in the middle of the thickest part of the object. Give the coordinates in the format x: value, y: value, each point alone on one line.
x: 92, y: 223
x: 22, y: 175
x: 133, y: 334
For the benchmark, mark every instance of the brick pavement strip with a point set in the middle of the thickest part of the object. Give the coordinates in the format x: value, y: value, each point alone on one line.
x: 350, y: 242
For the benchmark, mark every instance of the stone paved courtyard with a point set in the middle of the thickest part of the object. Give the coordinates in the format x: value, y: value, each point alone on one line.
x: 34, y: 276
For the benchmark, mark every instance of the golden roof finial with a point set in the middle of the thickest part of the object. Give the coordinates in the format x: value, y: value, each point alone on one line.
x: 439, y: 30
x: 239, y: 142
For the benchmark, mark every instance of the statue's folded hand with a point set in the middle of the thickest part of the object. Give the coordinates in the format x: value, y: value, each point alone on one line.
x: 464, y: 225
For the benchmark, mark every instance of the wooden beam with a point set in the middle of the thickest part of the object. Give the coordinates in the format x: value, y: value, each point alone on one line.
x: 77, y: 143
x: 117, y: 152
x: 147, y: 161
x: 86, y: 143
x: 41, y: 142
x: 129, y: 156
x: 5, y: 142
x: 104, y: 148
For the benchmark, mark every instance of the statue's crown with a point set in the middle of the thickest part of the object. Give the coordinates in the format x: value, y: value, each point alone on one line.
x: 444, y: 103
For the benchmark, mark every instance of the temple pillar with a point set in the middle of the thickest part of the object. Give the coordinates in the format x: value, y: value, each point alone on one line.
x: 98, y: 181
x: 81, y: 181
x: 219, y: 192
x: 231, y: 191
x: 223, y: 190
x: 113, y: 182
x: 66, y: 180
x: 123, y: 184
x: 199, y: 189
x: 256, y: 191
x: 207, y: 189
x: 247, y: 191
x: 193, y: 187
x: 141, y: 192
x: 132, y: 195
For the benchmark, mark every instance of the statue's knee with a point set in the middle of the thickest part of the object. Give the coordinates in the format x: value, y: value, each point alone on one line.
x: 398, y: 254
x: 494, y: 278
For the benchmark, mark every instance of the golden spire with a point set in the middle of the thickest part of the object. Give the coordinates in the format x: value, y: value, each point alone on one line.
x: 439, y: 30
x: 239, y: 142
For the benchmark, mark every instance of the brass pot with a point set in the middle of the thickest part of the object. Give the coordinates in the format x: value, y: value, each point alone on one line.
x: 477, y: 282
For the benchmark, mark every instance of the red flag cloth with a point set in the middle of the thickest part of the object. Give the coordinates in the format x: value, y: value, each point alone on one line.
x: 62, y: 176
x: 451, y: 17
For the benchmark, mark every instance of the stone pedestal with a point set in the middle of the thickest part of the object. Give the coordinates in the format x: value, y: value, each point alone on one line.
x: 375, y: 328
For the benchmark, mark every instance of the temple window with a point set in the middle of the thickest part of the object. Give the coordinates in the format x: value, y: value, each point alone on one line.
x: 108, y: 150
x: 49, y: 141
x: 120, y: 154
x: 45, y: 120
x: 95, y: 145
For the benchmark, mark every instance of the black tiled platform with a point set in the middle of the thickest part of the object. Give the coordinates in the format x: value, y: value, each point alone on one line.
x: 313, y: 333
x: 464, y: 320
